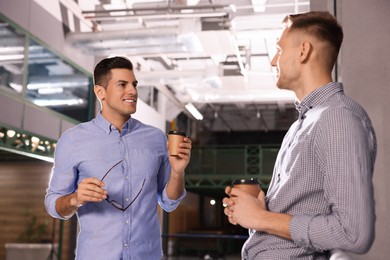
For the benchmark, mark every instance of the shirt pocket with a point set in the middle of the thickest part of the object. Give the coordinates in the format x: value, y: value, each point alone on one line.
x: 142, y: 168
x: 144, y: 163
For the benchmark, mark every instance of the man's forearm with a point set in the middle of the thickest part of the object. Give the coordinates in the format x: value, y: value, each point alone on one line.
x: 67, y: 205
x: 276, y: 224
x: 175, y: 186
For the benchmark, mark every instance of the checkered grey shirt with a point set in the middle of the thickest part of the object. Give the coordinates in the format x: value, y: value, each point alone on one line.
x: 323, y: 178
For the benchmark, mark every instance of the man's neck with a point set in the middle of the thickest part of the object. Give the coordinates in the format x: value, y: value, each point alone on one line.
x: 312, y: 83
x: 116, y: 120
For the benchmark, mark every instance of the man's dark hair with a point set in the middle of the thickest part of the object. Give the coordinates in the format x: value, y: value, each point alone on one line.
x: 321, y: 25
x: 102, y: 72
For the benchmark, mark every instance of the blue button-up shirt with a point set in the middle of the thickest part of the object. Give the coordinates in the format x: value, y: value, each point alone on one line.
x: 90, y: 150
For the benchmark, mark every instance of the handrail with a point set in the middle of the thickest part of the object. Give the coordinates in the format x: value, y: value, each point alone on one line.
x: 203, y: 235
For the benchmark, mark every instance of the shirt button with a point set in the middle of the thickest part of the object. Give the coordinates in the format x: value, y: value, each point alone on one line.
x: 125, y: 244
x: 127, y: 222
x: 127, y: 199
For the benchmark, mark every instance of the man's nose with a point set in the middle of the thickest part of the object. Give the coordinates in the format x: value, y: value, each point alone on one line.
x: 274, y: 60
x: 131, y: 89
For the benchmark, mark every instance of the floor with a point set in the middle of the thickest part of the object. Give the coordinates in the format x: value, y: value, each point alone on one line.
x: 205, y: 248
x: 205, y: 257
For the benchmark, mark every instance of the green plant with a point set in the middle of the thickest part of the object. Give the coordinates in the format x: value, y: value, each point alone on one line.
x: 34, y: 231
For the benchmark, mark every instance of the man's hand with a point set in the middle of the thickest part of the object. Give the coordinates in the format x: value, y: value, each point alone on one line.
x: 250, y: 212
x: 89, y: 190
x: 175, y: 186
x: 180, y: 162
x: 241, y: 207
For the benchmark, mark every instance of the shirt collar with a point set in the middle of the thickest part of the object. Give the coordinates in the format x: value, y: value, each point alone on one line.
x: 107, y: 127
x: 318, y: 96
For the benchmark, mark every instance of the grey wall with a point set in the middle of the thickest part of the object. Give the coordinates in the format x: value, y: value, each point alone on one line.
x: 365, y: 72
x: 364, y: 69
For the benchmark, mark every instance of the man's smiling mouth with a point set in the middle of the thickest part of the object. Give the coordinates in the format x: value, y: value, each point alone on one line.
x: 132, y: 100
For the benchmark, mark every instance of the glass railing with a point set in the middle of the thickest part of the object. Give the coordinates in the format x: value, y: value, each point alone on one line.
x: 216, y: 166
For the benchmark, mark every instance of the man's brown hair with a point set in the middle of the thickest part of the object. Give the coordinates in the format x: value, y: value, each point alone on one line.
x: 321, y: 25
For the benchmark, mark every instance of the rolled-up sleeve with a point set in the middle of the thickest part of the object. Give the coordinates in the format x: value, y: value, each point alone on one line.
x: 299, y: 229
x: 168, y: 204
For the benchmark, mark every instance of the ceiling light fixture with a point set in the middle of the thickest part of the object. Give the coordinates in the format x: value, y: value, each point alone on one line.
x: 11, y: 57
x: 233, y: 8
x: 17, y: 87
x: 58, y: 102
x: 49, y: 91
x: 190, y: 2
x: 195, y: 112
x: 259, y: 5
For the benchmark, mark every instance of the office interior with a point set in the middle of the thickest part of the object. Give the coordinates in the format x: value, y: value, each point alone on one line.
x: 47, y: 53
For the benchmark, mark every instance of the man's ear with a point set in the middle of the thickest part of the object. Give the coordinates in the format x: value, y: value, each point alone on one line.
x: 100, y: 92
x: 306, y: 49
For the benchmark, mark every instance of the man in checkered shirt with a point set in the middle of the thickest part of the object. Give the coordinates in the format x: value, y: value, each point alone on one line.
x: 320, y: 198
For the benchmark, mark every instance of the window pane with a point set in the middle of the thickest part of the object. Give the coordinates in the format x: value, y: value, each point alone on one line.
x: 11, y: 58
x: 148, y: 94
x: 55, y: 84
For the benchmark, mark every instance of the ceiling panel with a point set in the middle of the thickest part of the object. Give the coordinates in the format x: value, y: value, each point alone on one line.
x: 216, y: 52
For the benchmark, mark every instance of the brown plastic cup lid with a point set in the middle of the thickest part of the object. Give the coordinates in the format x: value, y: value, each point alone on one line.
x: 174, y: 132
x: 246, y: 181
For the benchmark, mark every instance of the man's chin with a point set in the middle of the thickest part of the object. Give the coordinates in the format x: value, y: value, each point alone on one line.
x: 132, y: 111
x: 280, y: 85
x: 126, y: 113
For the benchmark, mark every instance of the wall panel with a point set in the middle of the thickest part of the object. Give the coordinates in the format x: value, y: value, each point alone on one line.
x: 23, y: 187
x: 11, y: 112
x: 41, y: 122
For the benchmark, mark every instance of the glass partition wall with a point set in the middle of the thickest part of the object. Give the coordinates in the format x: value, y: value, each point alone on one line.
x: 29, y: 69
x: 12, y: 50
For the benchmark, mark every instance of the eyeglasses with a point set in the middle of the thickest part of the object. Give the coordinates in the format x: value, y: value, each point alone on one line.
x: 115, y: 203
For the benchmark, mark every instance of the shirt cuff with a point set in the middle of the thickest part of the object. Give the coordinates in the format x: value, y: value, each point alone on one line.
x: 299, y: 230
x: 168, y: 204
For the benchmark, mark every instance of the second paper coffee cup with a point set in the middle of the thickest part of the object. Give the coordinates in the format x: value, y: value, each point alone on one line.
x: 251, y: 185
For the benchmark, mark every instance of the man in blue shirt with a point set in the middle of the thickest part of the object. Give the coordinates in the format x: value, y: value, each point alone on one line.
x: 320, y: 198
x: 113, y: 172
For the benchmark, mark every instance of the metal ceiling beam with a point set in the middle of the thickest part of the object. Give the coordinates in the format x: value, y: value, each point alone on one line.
x: 219, y: 116
x: 158, y: 9
x: 281, y: 108
x: 155, y: 16
x: 243, y: 116
x: 261, y: 118
x: 166, y: 12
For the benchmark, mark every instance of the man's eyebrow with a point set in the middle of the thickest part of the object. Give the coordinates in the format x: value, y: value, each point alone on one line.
x: 122, y: 81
